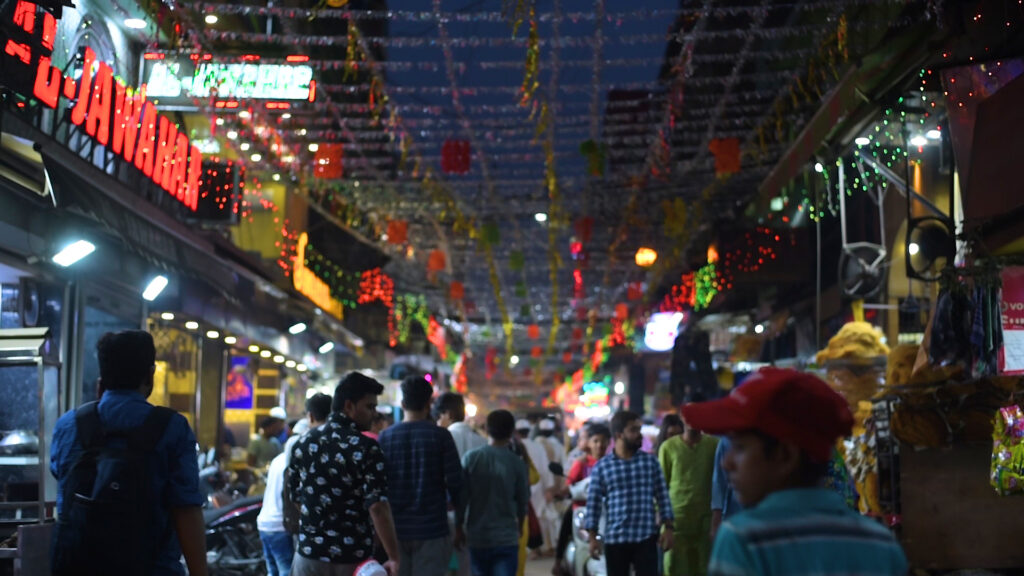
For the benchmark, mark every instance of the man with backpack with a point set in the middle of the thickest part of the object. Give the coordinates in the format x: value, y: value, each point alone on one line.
x: 128, y: 499
x: 278, y: 520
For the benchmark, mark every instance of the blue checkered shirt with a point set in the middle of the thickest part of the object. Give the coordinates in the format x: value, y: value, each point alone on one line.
x: 628, y: 490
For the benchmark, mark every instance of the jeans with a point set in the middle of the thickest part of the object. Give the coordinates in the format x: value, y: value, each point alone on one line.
x: 494, y: 561
x: 642, y: 556
x: 277, y: 552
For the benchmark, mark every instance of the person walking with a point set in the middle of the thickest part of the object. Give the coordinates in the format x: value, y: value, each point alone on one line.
x: 337, y: 477
x: 723, y: 498
x: 278, y: 548
x: 688, y: 461
x: 266, y: 445
x: 167, y: 521
x: 497, y: 497
x: 630, y: 486
x: 540, y: 491
x: 424, y: 474
x: 598, y: 439
x: 783, y: 425
x: 449, y: 411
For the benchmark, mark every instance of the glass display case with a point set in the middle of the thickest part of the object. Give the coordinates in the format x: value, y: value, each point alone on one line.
x: 29, y: 407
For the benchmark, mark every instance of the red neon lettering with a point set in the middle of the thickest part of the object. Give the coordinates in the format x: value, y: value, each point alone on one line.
x: 179, y: 173
x: 85, y: 86
x: 69, y: 88
x: 21, y: 51
x: 312, y: 90
x: 152, y: 56
x: 127, y: 110
x: 297, y: 58
x: 49, y: 31
x: 25, y: 16
x: 98, y: 122
x: 164, y: 153
x: 147, y: 140
x: 47, y: 86
x: 195, y: 168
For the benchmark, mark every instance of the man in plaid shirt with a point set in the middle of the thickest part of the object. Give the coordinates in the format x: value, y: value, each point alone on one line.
x: 627, y: 484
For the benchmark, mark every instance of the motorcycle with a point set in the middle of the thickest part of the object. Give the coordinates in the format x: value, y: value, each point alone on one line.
x: 576, y: 558
x: 233, y: 546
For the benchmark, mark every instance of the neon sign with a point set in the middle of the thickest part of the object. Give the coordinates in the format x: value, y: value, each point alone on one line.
x: 113, y: 114
x: 229, y: 81
x: 310, y: 285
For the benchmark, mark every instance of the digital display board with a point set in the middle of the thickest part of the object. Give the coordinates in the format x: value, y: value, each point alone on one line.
x: 181, y: 80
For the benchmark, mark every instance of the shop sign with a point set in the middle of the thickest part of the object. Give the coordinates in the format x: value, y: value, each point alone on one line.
x: 188, y: 79
x: 310, y: 285
x: 1011, y: 305
x: 112, y: 114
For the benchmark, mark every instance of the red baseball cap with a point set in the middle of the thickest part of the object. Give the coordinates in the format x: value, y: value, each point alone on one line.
x: 785, y: 404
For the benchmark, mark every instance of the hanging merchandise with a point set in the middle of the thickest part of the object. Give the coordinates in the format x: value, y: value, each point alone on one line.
x: 398, y: 232
x: 1011, y: 354
x: 533, y: 331
x: 455, y: 156
x: 437, y: 261
x: 727, y: 155
x: 456, y: 291
x: 327, y: 163
x: 1008, y: 451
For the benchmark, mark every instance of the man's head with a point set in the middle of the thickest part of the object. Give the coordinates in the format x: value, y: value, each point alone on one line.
x: 546, y: 427
x: 356, y: 397
x: 626, y: 428
x: 127, y: 361
x: 416, y: 394
x: 449, y: 408
x: 318, y: 407
x: 271, y: 427
x: 598, y: 439
x: 522, y: 427
x: 783, y: 426
x: 500, y: 425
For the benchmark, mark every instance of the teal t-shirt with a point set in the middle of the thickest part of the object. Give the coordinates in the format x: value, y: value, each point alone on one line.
x: 496, y: 492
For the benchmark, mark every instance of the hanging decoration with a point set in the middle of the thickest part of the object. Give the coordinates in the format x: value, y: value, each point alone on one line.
x: 327, y: 162
x: 595, y: 155
x: 516, y: 260
x: 410, y: 308
x: 460, y: 379
x: 536, y: 352
x: 490, y: 362
x: 377, y: 286
x: 436, y: 261
x: 456, y: 291
x: 533, y: 331
x: 398, y: 232
x: 621, y: 311
x: 353, y: 54
x: 514, y: 11
x: 490, y: 234
x: 531, y: 74
x: 635, y: 291
x: 727, y: 155
x: 455, y: 156
x: 437, y: 336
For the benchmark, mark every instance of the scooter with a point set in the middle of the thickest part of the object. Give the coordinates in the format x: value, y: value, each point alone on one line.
x: 233, y: 546
x: 576, y: 557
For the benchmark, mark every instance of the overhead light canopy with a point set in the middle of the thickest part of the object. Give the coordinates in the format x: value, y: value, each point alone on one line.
x: 154, y: 288
x: 74, y: 252
x: 135, y: 23
x: 167, y: 316
x: 211, y: 19
x: 297, y: 328
x: 192, y: 325
x: 327, y: 347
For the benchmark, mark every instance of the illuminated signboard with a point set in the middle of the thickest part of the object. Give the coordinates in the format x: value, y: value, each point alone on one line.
x: 310, y: 285
x: 185, y: 79
x: 112, y: 114
x: 661, y: 331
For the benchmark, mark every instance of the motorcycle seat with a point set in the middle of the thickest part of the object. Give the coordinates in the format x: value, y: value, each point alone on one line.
x: 213, y: 514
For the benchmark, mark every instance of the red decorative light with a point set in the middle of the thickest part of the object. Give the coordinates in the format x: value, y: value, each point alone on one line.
x: 297, y: 58
x: 153, y: 56
x: 455, y: 156
x: 456, y: 291
x: 398, y: 232
x: 533, y: 331
x: 327, y: 163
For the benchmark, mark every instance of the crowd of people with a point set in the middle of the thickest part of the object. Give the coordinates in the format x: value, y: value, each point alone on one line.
x: 429, y: 496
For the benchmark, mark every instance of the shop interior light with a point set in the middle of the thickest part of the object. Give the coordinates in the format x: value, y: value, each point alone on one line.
x: 232, y: 135
x: 327, y: 347
x: 918, y: 140
x: 256, y: 157
x: 513, y: 360
x: 244, y: 146
x: 759, y: 329
x: 167, y: 316
x: 192, y: 325
x: 314, y: 146
x: 933, y: 134
x: 914, y: 248
x: 286, y: 116
x: 265, y: 354
x: 290, y: 363
x: 74, y: 252
x: 277, y: 177
x: 862, y: 141
x: 620, y: 387
x: 211, y: 19
x: 297, y: 328
x: 301, y: 367
x: 540, y: 217
x: 219, y: 121
x: 279, y: 359
x: 154, y: 288
x: 212, y: 334
x: 254, y: 349
x: 244, y: 114
x: 135, y: 23
x: 471, y: 409
x: 230, y: 340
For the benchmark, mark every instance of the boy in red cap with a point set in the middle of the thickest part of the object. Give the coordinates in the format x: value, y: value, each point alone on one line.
x: 783, y: 426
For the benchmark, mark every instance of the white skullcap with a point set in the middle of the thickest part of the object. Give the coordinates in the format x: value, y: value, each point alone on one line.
x: 279, y: 413
x: 547, y: 425
x: 522, y: 424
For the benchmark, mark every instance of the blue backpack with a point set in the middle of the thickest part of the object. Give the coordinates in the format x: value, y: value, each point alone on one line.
x: 107, y: 526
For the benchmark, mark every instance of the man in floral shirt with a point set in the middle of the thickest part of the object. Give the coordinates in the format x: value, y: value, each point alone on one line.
x: 338, y: 479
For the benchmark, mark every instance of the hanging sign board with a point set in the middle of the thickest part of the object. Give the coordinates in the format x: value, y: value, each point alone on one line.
x: 310, y: 285
x: 109, y: 112
x: 1011, y: 305
x: 178, y: 81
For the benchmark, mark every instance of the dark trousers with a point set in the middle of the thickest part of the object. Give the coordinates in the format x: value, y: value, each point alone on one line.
x: 641, y: 556
x: 564, y: 534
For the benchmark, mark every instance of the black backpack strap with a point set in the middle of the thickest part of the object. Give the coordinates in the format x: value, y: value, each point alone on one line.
x: 152, y: 429
x: 87, y: 424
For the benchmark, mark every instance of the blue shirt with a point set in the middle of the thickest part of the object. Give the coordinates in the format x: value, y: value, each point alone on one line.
x: 801, y: 532
x: 175, y: 479
x: 629, y: 490
x: 423, y: 473
x: 722, y: 496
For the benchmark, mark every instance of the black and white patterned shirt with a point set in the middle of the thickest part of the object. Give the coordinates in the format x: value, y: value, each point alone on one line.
x: 336, y: 474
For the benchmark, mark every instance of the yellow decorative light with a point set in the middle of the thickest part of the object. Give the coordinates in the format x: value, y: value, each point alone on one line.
x: 712, y: 254
x: 646, y: 257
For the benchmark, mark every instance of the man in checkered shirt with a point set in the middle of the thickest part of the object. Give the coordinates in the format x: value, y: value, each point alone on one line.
x: 627, y: 484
